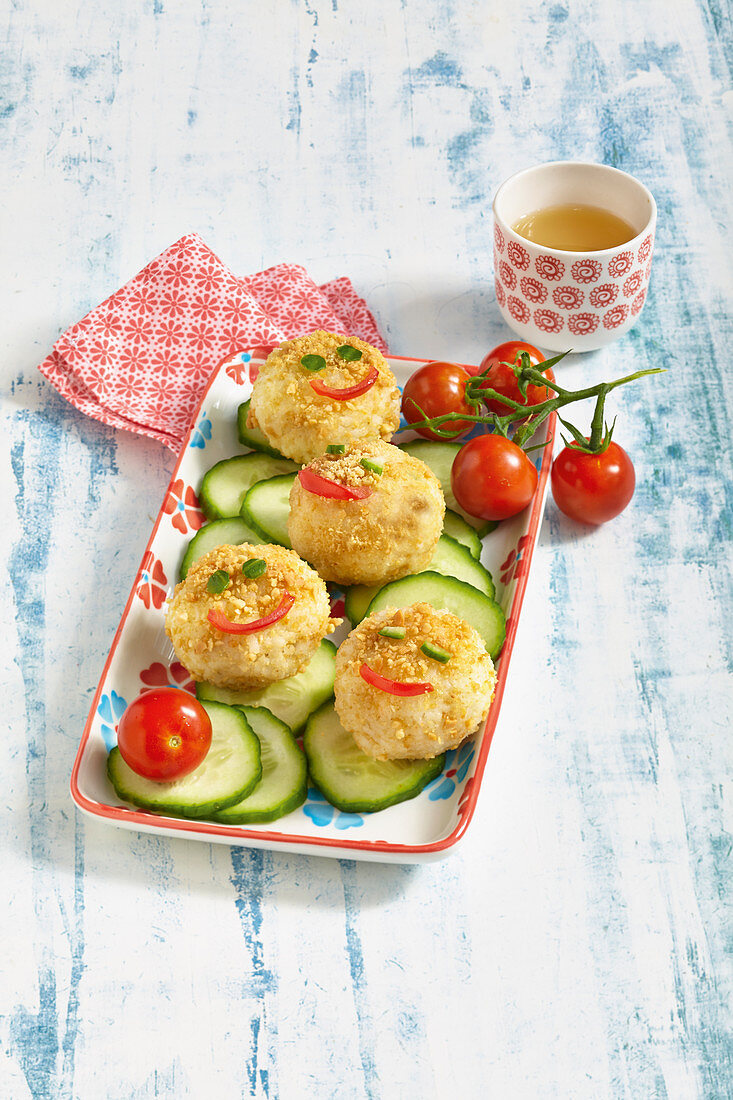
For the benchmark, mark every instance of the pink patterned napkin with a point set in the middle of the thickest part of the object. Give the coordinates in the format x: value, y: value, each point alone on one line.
x: 141, y: 359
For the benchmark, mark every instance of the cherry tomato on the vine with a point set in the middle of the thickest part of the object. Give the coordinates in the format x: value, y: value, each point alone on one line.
x: 437, y: 388
x: 592, y: 488
x: 502, y: 378
x: 164, y: 734
x: 493, y: 478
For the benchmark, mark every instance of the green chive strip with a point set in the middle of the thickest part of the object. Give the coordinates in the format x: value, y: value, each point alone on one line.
x: 217, y: 582
x: 351, y: 355
x: 372, y: 467
x: 435, y: 652
x: 336, y: 449
x: 314, y: 362
x: 255, y: 567
x: 397, y: 632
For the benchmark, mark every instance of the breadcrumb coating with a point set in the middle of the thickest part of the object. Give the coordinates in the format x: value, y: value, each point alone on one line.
x: 245, y: 661
x: 377, y: 539
x: 301, y: 423
x: 391, y: 727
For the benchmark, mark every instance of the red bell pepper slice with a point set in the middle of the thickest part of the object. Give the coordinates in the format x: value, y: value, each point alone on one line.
x: 393, y: 687
x: 219, y: 620
x: 324, y: 487
x: 350, y: 391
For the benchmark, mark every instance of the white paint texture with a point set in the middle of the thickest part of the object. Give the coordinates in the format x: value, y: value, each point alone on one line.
x: 577, y: 945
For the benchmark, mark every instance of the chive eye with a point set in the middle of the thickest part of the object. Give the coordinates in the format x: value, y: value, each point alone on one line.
x: 435, y: 652
x: 336, y: 449
x: 349, y: 354
x: 217, y: 582
x: 255, y: 567
x: 373, y: 467
x: 314, y: 362
x: 397, y: 632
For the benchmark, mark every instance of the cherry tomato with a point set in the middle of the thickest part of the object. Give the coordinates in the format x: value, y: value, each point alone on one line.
x: 592, y: 488
x: 164, y: 734
x: 493, y: 478
x: 502, y: 378
x: 437, y: 388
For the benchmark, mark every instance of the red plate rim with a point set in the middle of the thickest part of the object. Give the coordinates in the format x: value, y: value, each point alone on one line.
x: 266, y: 839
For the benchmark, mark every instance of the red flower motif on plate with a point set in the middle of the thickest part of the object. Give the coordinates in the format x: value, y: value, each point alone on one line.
x: 620, y: 265
x: 518, y: 255
x: 583, y: 324
x: 638, y: 302
x: 500, y: 295
x: 548, y: 320
x: 463, y: 800
x: 498, y: 239
x: 152, y: 580
x: 183, y: 506
x: 632, y: 284
x: 603, y: 295
x: 508, y: 278
x: 645, y: 249
x: 518, y: 309
x: 549, y: 267
x: 616, y: 316
x: 568, y: 297
x: 512, y: 566
x: 173, y: 675
x: 533, y: 290
x: 586, y: 271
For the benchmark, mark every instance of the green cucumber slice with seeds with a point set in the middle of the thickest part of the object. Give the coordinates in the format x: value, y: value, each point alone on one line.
x: 253, y: 437
x: 451, y: 558
x: 225, y: 485
x: 284, y: 783
x: 462, y: 531
x: 290, y: 700
x: 220, y: 532
x: 448, y: 594
x: 439, y: 455
x: 352, y: 781
x: 266, y: 508
x: 230, y: 770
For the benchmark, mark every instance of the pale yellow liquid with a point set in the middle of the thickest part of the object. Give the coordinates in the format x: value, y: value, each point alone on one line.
x: 574, y: 228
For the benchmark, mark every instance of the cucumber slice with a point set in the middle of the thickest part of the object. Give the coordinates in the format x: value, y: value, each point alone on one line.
x: 439, y: 457
x: 353, y: 781
x: 225, y: 485
x: 451, y: 558
x: 462, y: 531
x: 253, y: 437
x: 290, y: 700
x: 449, y: 594
x: 283, y: 786
x: 266, y: 508
x: 228, y: 772
x: 220, y: 532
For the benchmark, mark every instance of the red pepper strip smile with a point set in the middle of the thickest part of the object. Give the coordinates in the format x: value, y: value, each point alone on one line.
x: 219, y: 620
x: 324, y: 487
x: 393, y: 687
x: 350, y: 391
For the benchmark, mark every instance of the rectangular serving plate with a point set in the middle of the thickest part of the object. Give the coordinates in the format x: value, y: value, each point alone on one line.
x: 422, y: 829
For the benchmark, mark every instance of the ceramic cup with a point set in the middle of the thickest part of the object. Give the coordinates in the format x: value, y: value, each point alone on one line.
x: 572, y: 300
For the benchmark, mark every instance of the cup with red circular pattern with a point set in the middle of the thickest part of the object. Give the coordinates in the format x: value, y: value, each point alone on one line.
x: 565, y: 300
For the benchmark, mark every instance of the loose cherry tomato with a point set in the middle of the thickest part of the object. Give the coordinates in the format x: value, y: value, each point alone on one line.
x: 502, y: 378
x: 164, y: 734
x: 592, y: 488
x: 493, y: 478
x: 438, y: 388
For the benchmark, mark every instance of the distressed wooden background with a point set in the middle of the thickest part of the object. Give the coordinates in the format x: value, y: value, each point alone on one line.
x: 578, y: 944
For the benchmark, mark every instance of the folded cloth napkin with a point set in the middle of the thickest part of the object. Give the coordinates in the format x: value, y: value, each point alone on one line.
x: 142, y: 358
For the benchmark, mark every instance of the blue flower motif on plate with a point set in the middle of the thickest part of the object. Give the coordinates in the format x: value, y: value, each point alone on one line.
x: 110, y: 709
x: 322, y: 813
x: 202, y: 432
x: 457, y: 763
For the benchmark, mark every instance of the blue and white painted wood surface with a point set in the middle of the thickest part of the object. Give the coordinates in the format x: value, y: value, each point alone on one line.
x: 578, y: 944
